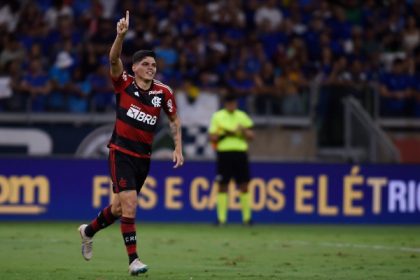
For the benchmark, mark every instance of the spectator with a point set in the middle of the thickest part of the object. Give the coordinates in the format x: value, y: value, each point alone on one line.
x: 166, y: 74
x: 6, y: 90
x: 271, y: 39
x: 57, y: 9
x: 89, y: 60
x: 37, y: 86
x: 241, y: 85
x: 64, y: 31
x: 269, y: 14
x: 12, y: 50
x: 31, y: 27
x: 60, y: 76
x: 358, y: 76
x: 103, y: 37
x: 185, y: 69
x: 79, y: 92
x: 292, y: 84
x: 14, y: 99
x: 219, y: 36
x: 394, y: 90
x: 411, y: 35
x: 295, y: 23
x: 245, y: 58
x: 339, y: 74
x: 214, y: 44
x: 108, y: 7
x: 371, y: 45
x: 9, y: 14
x: 36, y: 52
x: 339, y: 25
x: 167, y: 52
x: 312, y: 38
x: 102, y: 90
x: 267, y: 92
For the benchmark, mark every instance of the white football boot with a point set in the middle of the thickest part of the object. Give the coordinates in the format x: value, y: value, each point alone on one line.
x: 137, y: 267
x: 86, y: 243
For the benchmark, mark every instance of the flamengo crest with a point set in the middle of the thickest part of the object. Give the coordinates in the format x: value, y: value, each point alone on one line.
x: 156, y: 101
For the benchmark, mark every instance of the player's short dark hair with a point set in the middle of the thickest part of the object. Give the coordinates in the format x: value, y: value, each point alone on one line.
x: 139, y: 55
x: 230, y: 97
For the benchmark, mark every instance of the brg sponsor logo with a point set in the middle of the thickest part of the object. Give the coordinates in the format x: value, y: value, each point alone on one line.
x: 135, y: 112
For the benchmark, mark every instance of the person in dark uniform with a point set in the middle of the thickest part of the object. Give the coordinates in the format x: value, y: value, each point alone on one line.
x: 140, y: 99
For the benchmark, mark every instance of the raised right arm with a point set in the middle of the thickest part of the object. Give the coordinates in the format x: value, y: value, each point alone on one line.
x: 115, y: 52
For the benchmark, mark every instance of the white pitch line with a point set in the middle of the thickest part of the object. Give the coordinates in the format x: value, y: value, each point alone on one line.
x: 358, y: 246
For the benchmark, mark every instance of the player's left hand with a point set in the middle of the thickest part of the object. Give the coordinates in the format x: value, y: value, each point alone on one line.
x: 177, y: 158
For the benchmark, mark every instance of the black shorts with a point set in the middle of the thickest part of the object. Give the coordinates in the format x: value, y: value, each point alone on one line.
x: 127, y: 172
x: 232, y: 165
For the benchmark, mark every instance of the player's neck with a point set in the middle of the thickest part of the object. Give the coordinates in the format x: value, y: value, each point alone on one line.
x: 143, y: 84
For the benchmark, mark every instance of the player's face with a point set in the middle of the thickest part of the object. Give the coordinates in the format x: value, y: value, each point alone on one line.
x: 231, y: 105
x: 145, y: 69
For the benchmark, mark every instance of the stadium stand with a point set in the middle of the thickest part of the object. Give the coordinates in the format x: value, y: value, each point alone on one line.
x: 292, y: 62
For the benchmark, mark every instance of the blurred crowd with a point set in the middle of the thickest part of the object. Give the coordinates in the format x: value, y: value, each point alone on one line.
x: 54, y: 53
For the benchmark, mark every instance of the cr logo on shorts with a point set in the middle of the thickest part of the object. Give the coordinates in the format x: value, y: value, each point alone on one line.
x: 122, y: 183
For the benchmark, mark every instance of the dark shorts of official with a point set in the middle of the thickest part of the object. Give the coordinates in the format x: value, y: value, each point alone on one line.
x: 127, y: 172
x: 232, y: 165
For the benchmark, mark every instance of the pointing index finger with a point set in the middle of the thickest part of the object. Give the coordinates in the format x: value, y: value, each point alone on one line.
x: 127, y: 16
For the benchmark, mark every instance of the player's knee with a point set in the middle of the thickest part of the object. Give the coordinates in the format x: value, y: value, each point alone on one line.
x: 129, y: 208
x: 116, y: 210
x: 128, y: 203
x: 128, y: 212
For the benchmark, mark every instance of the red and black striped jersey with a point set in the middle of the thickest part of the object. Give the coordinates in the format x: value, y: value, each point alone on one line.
x: 137, y: 115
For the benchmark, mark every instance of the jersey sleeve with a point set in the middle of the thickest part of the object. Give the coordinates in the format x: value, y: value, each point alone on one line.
x: 169, y: 106
x: 247, y: 121
x: 121, y: 82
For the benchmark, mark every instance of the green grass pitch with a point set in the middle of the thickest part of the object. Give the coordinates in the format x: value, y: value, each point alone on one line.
x: 200, y: 251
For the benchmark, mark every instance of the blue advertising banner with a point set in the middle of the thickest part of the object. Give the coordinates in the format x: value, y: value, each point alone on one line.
x: 76, y: 189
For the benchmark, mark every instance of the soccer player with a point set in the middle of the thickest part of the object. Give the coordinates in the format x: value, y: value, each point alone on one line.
x: 140, y: 99
x: 230, y: 130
